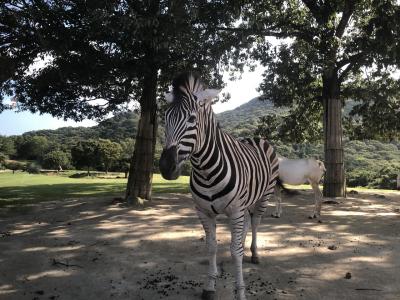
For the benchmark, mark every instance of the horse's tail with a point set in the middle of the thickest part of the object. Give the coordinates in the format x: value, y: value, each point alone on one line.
x: 321, y: 165
x: 286, y: 190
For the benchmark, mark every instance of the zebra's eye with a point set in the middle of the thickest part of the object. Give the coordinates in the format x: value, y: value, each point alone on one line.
x: 192, y: 119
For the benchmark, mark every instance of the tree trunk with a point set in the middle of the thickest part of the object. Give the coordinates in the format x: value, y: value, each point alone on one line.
x: 334, y: 182
x: 141, y: 167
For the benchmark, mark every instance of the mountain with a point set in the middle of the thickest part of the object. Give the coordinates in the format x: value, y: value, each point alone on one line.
x: 240, y: 122
x: 243, y: 120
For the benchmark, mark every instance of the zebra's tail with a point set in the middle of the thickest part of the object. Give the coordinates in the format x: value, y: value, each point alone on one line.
x: 286, y: 190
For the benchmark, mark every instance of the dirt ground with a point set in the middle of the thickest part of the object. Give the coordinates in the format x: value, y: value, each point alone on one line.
x: 94, y: 249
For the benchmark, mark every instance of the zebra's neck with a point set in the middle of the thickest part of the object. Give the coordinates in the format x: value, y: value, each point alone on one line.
x: 208, y: 154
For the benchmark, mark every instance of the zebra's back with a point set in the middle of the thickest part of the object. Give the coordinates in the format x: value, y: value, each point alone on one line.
x: 253, y: 166
x: 268, y: 154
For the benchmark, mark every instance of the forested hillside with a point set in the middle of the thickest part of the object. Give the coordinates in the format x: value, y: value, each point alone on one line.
x: 243, y: 120
x: 368, y: 163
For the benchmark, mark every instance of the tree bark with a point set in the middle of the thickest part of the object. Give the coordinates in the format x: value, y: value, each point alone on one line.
x: 141, y: 166
x: 334, y: 182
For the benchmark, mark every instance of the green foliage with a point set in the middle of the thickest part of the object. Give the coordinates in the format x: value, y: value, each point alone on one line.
x: 84, y: 154
x: 372, y: 163
x: 56, y: 159
x: 104, y: 50
x: 328, y: 50
x: 7, y: 146
x: 3, y: 158
x: 108, y: 152
x: 14, y: 165
x: 376, y: 112
x: 123, y: 162
x: 32, y: 147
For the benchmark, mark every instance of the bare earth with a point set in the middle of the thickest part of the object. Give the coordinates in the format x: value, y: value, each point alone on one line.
x: 93, y: 249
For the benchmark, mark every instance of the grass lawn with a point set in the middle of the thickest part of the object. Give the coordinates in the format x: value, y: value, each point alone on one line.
x: 23, y: 188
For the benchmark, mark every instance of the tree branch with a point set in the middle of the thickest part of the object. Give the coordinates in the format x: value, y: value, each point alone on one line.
x: 347, y: 12
x: 349, y: 60
x: 346, y: 71
x: 313, y: 7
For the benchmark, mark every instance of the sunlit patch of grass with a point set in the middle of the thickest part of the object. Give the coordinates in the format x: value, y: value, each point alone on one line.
x: 23, y: 188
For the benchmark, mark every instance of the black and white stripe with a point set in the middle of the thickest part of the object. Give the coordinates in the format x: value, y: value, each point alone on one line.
x: 229, y: 176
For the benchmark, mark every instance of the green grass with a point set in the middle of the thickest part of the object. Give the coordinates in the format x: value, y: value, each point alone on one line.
x: 23, y: 188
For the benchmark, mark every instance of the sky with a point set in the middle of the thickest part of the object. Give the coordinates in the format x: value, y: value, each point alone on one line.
x: 14, y: 123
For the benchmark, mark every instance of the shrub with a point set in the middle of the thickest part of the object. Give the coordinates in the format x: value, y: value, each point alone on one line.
x: 359, y: 178
x: 33, y: 168
x: 385, y: 178
x: 55, y: 159
x: 14, y: 165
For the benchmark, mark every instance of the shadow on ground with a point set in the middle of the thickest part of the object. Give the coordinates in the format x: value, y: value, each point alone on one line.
x: 93, y: 249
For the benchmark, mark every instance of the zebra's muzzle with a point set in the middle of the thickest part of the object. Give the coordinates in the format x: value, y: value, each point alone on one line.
x: 169, y: 163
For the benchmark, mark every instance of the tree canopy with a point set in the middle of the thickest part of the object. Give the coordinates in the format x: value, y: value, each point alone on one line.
x: 91, y: 57
x: 100, y: 55
x: 330, y: 49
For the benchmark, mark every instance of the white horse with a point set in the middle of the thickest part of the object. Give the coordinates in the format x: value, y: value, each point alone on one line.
x: 296, y: 172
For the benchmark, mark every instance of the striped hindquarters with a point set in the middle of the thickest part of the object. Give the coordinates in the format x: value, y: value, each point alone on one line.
x: 268, y: 154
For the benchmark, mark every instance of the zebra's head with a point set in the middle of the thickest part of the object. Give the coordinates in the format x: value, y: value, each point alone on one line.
x: 183, y: 117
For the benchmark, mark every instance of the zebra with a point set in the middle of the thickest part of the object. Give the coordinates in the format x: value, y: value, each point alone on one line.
x: 230, y: 177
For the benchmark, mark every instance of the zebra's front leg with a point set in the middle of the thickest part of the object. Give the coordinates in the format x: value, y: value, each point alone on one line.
x: 237, y: 222
x: 209, y: 224
x: 258, y: 212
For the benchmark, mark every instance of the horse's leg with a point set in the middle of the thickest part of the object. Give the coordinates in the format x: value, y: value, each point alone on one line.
x: 237, y: 226
x: 209, y: 224
x: 278, y: 202
x: 318, y: 199
x: 258, y: 211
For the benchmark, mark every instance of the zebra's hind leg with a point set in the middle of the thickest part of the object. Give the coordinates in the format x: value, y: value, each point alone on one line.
x: 237, y: 251
x: 258, y: 211
x: 209, y: 224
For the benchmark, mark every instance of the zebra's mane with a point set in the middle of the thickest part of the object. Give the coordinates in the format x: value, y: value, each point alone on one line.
x: 184, y: 83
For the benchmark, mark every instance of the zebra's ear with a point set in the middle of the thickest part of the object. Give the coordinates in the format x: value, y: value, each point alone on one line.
x: 207, y: 95
x: 168, y: 97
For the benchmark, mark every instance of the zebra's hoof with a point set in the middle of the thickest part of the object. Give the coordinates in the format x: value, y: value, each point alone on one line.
x: 208, y: 295
x: 255, y: 260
